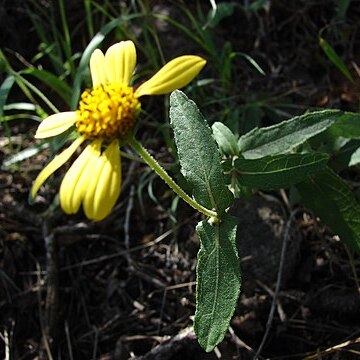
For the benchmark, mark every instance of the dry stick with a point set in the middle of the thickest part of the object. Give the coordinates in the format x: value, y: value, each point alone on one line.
x: 333, y: 349
x: 41, y: 318
x: 163, y: 302
x: 278, y: 282
x: 7, y: 345
x: 119, y: 253
x: 95, y: 343
x: 52, y: 285
x: 130, y: 204
x: 132, y: 266
x: 68, y: 340
x: 168, y: 349
x: 127, y: 220
x: 66, y: 229
x: 240, y: 343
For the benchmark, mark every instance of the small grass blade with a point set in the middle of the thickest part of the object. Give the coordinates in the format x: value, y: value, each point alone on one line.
x: 335, y: 58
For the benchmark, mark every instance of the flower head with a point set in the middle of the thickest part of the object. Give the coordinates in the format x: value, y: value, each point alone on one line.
x: 106, y: 115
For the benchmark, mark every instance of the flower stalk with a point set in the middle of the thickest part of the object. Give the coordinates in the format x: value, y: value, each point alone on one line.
x: 166, y: 177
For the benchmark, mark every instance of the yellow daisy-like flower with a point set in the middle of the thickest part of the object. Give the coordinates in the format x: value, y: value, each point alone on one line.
x: 105, y: 115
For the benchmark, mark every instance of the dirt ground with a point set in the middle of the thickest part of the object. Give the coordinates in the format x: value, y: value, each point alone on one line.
x: 125, y: 287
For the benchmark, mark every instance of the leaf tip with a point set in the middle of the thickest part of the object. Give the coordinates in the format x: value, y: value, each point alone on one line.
x: 175, y: 96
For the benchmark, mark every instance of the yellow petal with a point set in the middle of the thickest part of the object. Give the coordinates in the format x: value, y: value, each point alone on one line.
x: 120, y: 61
x: 88, y: 202
x: 104, y: 190
x: 55, y: 164
x: 74, y: 184
x: 97, y: 68
x: 174, y: 75
x: 55, y: 124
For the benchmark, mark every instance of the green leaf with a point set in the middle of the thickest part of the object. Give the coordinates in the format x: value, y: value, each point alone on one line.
x: 279, y: 171
x: 251, y: 61
x: 256, y: 5
x: 251, y: 116
x: 198, y: 154
x: 219, y: 12
x: 332, y: 200
x: 4, y: 93
x: 348, y: 155
x: 355, y: 157
x: 2, y: 65
x: 59, y: 86
x: 282, y: 138
x: 341, y: 141
x: 24, y: 154
x: 348, y: 126
x: 225, y: 139
x: 218, y: 281
x: 335, y: 58
x: 342, y: 7
x: 21, y: 106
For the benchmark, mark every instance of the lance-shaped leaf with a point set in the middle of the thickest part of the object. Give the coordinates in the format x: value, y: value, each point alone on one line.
x: 219, y: 12
x: 347, y: 155
x: 4, y: 93
x: 218, y: 281
x: 335, y: 58
x: 282, y: 138
x: 279, y: 171
x: 198, y: 154
x: 347, y: 126
x: 52, y: 81
x: 24, y: 154
x: 225, y: 139
x: 332, y: 200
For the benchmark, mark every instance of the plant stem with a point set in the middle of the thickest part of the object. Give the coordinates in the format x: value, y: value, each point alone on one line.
x: 165, y: 176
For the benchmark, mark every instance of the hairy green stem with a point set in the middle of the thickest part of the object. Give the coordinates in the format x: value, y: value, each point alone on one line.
x: 165, y: 176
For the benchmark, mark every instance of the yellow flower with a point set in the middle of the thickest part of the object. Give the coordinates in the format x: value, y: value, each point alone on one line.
x: 105, y: 116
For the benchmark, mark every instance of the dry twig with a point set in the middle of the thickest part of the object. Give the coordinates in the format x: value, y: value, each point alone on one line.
x: 286, y: 240
x: 168, y: 349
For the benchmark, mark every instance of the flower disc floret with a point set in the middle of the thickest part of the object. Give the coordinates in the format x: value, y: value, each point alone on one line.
x: 107, y: 111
